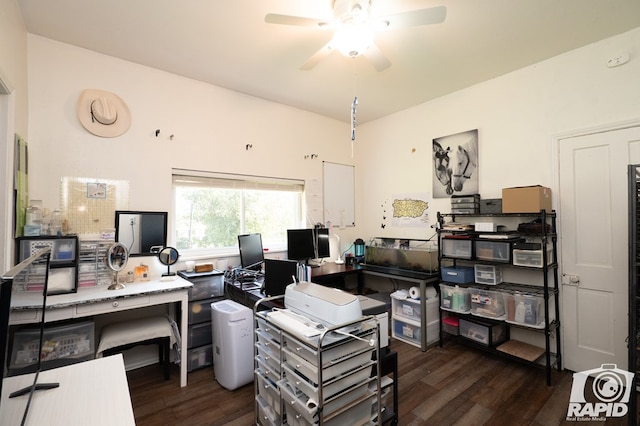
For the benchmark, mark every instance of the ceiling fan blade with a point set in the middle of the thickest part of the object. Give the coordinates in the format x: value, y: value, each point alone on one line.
x: 432, y: 15
x: 317, y: 57
x: 299, y: 21
x: 377, y: 58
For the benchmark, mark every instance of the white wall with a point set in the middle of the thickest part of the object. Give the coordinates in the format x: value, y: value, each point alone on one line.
x: 13, y: 59
x: 212, y: 127
x: 13, y: 113
x: 517, y: 115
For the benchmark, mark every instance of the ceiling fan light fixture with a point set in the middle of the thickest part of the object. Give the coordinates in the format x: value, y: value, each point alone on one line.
x: 352, y: 39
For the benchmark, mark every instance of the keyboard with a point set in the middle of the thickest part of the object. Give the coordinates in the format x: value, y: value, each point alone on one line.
x: 249, y: 286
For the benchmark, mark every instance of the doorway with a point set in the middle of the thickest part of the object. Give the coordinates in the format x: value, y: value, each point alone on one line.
x: 593, y: 206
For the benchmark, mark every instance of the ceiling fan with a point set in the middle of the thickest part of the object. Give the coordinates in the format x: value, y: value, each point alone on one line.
x: 354, y: 26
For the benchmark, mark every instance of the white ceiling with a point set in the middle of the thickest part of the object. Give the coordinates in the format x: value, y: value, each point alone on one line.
x: 228, y: 44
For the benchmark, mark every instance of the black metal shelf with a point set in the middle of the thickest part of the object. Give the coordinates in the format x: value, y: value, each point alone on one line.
x: 539, y: 363
x: 549, y: 289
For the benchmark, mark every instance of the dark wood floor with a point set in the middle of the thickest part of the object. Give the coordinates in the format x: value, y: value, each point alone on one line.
x: 452, y: 385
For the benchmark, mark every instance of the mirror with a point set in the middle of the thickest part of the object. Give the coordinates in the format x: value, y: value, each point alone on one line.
x: 168, y: 256
x: 116, y: 259
x: 142, y: 233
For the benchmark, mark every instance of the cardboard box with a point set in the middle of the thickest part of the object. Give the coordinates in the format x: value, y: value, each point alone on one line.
x: 526, y: 199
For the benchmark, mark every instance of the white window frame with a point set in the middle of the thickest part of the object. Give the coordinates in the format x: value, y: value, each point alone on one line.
x: 185, y: 177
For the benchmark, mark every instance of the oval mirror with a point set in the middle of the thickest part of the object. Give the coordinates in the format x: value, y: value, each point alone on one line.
x: 116, y: 259
x: 168, y: 256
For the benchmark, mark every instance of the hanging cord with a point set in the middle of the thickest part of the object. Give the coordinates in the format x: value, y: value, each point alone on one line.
x: 354, y: 106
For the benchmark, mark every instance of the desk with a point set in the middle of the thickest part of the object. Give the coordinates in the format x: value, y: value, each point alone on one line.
x: 26, y: 307
x: 324, y: 273
x: 91, y: 393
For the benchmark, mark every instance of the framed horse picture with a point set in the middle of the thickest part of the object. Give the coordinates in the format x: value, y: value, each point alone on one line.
x: 455, y: 165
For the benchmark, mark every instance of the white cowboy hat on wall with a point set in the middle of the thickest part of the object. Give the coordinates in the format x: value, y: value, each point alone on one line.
x: 103, y: 113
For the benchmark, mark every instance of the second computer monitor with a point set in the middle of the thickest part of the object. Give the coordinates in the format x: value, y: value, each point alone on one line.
x: 321, y: 236
x: 251, y: 252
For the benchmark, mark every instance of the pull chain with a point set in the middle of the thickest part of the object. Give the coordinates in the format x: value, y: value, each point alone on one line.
x: 354, y: 106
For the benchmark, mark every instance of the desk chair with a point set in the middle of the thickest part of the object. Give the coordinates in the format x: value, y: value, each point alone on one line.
x: 121, y: 336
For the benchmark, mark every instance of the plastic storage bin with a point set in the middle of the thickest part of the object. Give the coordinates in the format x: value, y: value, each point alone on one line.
x: 457, y: 248
x: 63, y: 249
x: 200, y: 311
x: 486, y: 303
x: 526, y: 309
x: 494, y: 251
x: 407, y: 332
x: 410, y: 309
x: 451, y: 325
x: 61, y: 345
x: 454, y: 298
x: 531, y: 258
x: 199, y: 335
x: 199, y: 357
x: 457, y: 274
x: 487, y: 274
x: 406, y: 308
x: 483, y: 332
x: 410, y: 332
x: 205, y: 285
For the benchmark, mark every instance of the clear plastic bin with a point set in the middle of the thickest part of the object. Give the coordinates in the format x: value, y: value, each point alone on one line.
x: 199, y: 335
x: 487, y: 274
x: 61, y: 345
x: 454, y: 298
x: 494, y: 251
x: 524, y: 309
x: 484, y: 333
x: 200, y: 311
x: 451, y: 325
x: 411, y: 308
x: 487, y: 303
x: 199, y: 357
x: 457, y: 248
x: 531, y: 258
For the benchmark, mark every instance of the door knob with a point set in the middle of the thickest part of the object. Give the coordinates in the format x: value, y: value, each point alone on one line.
x: 568, y: 279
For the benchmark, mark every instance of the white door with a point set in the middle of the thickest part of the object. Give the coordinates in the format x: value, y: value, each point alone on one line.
x: 593, y: 231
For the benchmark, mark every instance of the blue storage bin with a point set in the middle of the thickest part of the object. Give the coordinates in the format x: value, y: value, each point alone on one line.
x: 458, y: 274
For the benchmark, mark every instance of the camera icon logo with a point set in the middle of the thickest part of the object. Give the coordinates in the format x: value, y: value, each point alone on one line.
x: 600, y: 393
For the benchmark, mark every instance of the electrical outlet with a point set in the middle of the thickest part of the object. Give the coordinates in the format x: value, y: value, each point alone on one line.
x: 133, y: 221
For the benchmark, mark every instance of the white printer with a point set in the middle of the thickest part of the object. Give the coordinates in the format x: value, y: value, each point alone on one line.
x: 326, y: 305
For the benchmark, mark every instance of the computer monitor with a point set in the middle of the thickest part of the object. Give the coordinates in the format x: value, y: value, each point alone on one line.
x: 300, y: 244
x: 251, y: 252
x: 278, y: 274
x: 321, y: 236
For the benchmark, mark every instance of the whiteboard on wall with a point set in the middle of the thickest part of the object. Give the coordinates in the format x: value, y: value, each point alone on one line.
x: 338, y: 183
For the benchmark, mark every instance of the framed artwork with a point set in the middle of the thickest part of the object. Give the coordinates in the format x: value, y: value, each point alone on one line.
x: 455, y: 165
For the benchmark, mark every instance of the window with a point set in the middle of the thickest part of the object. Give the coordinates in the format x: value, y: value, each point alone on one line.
x: 211, y: 210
